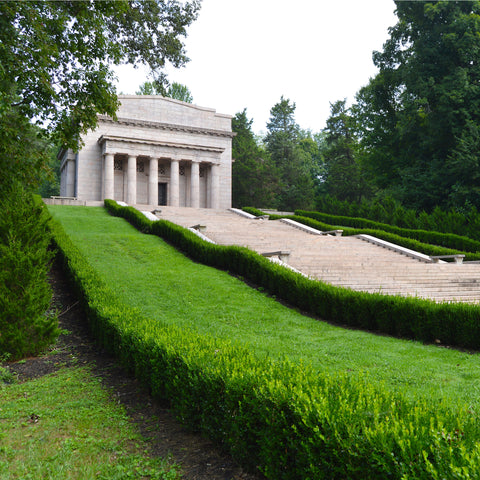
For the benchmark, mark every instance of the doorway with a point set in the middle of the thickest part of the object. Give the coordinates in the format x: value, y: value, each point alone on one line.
x: 162, y: 194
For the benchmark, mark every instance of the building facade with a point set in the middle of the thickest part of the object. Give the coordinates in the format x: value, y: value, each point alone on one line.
x: 158, y: 151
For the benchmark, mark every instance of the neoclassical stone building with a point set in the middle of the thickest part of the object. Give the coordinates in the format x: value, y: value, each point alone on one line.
x: 159, y: 151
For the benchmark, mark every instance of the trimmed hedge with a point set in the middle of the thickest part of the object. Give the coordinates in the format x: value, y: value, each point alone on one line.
x: 410, y: 243
x: 388, y: 210
x: 448, y: 240
x: 288, y: 421
x: 456, y: 324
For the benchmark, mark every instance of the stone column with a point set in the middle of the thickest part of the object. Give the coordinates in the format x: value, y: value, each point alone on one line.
x: 174, y: 183
x: 70, y: 183
x: 195, y: 185
x: 215, y: 192
x: 108, y: 189
x: 153, y: 182
x: 132, y: 180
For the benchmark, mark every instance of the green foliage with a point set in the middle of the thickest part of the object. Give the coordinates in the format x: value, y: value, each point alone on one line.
x: 254, y: 176
x: 26, y: 327
x: 176, y: 91
x: 418, y: 116
x: 24, y: 150
x: 58, y: 55
x: 387, y: 210
x: 293, y: 163
x: 289, y: 421
x: 343, y: 178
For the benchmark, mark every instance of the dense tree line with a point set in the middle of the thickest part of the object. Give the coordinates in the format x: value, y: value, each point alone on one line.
x: 280, y: 170
x: 412, y: 133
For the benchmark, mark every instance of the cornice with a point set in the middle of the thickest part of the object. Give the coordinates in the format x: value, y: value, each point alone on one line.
x: 166, y: 126
x: 146, y: 141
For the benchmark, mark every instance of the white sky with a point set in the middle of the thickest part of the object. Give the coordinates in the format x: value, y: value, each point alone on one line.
x: 248, y: 53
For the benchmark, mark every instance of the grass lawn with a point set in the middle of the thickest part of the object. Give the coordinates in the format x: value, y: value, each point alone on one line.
x: 65, y: 426
x: 147, y: 273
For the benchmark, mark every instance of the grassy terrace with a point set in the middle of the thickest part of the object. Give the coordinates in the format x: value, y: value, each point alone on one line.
x: 147, y: 273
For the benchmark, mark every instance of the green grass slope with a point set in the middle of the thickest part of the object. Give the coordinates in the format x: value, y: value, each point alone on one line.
x: 150, y: 275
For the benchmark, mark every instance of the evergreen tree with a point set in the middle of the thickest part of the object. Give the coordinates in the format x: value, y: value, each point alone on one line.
x: 343, y: 178
x: 254, y: 178
x: 296, y: 186
x: 26, y: 328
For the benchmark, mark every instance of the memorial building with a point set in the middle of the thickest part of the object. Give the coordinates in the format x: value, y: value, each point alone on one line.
x: 158, y: 151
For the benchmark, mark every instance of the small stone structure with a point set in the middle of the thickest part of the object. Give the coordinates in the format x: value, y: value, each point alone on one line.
x: 159, y: 151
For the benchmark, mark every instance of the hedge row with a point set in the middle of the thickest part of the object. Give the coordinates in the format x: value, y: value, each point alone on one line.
x: 388, y: 210
x: 410, y: 243
x: 286, y: 420
x: 448, y: 240
x: 455, y: 324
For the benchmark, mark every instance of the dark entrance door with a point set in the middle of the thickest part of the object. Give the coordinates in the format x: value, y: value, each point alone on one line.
x: 162, y: 193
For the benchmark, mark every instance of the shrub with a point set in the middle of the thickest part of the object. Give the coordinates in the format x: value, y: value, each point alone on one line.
x: 26, y: 327
x: 446, y: 240
x: 405, y: 317
x: 288, y: 421
x: 387, y: 210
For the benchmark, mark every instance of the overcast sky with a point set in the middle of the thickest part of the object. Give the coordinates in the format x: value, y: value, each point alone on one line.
x: 248, y: 53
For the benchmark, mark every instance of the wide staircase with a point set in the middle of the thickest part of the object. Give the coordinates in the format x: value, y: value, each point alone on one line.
x: 344, y: 261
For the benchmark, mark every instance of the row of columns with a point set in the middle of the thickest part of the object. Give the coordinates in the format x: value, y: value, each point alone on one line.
x: 153, y: 182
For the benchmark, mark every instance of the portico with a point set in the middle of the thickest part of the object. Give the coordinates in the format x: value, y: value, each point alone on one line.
x: 141, y: 171
x: 158, y: 151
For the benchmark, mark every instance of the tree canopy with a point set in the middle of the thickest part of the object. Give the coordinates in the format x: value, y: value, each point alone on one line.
x: 420, y: 115
x: 293, y: 163
x: 254, y: 176
x: 56, y: 57
x: 343, y: 178
x: 175, y: 90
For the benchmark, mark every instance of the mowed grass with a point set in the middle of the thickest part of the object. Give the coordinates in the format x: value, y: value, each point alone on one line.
x: 65, y: 426
x: 147, y: 273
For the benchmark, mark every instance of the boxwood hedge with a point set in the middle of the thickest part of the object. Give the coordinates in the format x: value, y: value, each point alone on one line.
x: 448, y: 240
x: 285, y: 420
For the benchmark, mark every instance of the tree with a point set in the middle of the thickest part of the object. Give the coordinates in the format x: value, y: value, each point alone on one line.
x: 26, y: 328
x: 176, y: 91
x: 179, y: 92
x: 343, y: 178
x: 254, y: 178
x: 417, y: 113
x: 296, y: 188
x: 55, y: 71
x: 58, y: 55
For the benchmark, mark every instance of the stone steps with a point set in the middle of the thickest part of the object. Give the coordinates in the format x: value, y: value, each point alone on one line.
x: 343, y: 261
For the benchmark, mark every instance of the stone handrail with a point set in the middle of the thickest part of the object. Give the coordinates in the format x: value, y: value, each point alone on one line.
x: 457, y: 257
x: 396, y: 248
x: 281, y: 254
x: 308, y: 229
